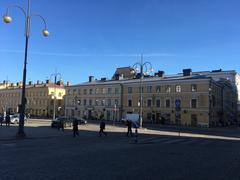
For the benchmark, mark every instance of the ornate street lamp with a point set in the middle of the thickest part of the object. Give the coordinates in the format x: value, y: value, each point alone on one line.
x: 142, y: 68
x: 7, y: 19
x: 56, y: 76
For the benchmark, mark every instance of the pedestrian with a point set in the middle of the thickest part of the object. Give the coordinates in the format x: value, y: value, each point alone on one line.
x: 102, y: 127
x: 61, y: 125
x: 75, y: 128
x: 8, y: 120
x: 129, y: 128
x: 1, y: 119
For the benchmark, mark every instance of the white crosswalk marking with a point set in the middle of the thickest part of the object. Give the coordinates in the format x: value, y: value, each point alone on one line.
x: 183, y: 141
x: 172, y: 141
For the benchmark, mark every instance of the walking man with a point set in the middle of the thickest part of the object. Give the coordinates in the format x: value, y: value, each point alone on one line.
x: 1, y: 119
x: 102, y: 127
x: 75, y: 128
x: 8, y: 120
x: 61, y: 125
x: 129, y: 128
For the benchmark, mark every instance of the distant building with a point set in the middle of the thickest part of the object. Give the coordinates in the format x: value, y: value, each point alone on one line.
x: 91, y: 99
x: 189, y: 98
x: 40, y: 97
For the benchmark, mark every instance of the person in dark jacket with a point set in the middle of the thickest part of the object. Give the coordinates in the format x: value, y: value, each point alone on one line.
x: 8, y: 120
x: 129, y: 128
x: 75, y: 128
x: 61, y: 125
x: 102, y: 127
x: 1, y: 119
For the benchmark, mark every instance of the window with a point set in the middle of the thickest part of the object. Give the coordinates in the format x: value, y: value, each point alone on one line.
x: 97, y: 90
x: 79, y: 102
x: 116, y: 102
x: 129, y: 103
x: 194, y: 103
x: 104, y: 91
x: 193, y: 87
x: 103, y: 102
x: 79, y: 91
x: 149, y: 89
x: 84, y: 102
x: 167, y: 103
x: 130, y: 90
x: 149, y: 116
x: 158, y: 89
x: 90, y: 91
x: 178, y: 88
x: 69, y: 92
x: 213, y: 101
x: 60, y: 94
x: 149, y: 103
x: 74, y: 91
x: 109, y: 90
x: 158, y: 103
x: 116, y: 90
x: 84, y: 91
x: 109, y: 102
x: 168, y: 89
x: 96, y: 102
x: 140, y: 89
x: 90, y: 102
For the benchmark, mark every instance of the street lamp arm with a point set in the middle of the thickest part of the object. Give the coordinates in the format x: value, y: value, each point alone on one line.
x: 147, y: 63
x: 137, y: 64
x: 45, y: 31
x: 44, y: 21
x: 18, y: 7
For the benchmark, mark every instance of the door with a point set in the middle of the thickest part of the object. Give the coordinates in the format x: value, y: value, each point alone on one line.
x: 194, y: 122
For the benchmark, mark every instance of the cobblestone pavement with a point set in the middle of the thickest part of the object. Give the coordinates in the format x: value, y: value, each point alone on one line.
x: 47, y: 153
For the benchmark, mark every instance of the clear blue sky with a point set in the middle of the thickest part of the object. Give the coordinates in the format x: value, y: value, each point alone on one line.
x: 93, y: 37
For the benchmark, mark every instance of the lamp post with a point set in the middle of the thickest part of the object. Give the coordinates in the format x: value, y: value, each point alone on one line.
x: 7, y: 19
x: 55, y: 75
x: 142, y: 68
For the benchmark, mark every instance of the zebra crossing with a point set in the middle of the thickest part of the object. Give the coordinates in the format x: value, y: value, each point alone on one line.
x: 187, y: 141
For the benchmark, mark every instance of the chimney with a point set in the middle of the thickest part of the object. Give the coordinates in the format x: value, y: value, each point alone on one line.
x: 118, y: 76
x: 60, y: 83
x: 30, y: 83
x: 103, y: 79
x: 91, y: 79
x: 218, y: 70
x: 38, y: 82
x: 68, y: 83
x: 187, y: 72
x: 47, y: 81
x: 160, y: 74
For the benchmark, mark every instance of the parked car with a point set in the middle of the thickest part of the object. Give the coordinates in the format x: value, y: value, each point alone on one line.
x: 67, y: 121
x: 81, y: 121
x: 14, y: 119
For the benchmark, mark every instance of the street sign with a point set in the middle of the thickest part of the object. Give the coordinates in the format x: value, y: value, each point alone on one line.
x: 178, y: 104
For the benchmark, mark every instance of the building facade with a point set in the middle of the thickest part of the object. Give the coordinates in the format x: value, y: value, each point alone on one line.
x: 187, y: 99
x: 90, y: 100
x: 39, y: 96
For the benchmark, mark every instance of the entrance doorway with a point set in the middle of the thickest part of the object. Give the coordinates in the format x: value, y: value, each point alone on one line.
x: 194, y: 122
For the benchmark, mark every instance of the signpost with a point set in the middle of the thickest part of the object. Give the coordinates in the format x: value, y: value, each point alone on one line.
x: 178, y: 109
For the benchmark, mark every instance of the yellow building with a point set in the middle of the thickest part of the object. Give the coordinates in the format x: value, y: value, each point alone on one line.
x: 187, y: 99
x: 40, y: 98
x: 90, y: 100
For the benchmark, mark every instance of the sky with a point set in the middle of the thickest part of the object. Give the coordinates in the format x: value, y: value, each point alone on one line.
x: 94, y: 37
